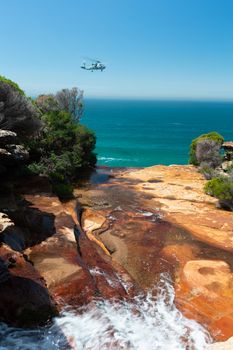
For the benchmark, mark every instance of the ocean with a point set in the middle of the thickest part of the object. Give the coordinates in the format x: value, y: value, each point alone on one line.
x: 139, y: 133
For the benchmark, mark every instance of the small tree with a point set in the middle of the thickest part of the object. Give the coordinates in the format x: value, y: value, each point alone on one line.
x: 214, y: 136
x: 208, y: 153
x: 47, y: 103
x: 71, y: 100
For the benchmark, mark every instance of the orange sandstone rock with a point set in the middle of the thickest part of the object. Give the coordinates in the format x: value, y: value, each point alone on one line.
x: 204, y: 291
x: 179, y: 191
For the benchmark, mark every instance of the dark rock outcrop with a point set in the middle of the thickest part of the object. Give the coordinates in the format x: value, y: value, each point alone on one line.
x: 11, y: 153
x: 24, y: 299
x: 7, y: 137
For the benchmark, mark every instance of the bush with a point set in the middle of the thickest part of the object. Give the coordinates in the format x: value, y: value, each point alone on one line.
x: 66, y: 100
x: 46, y: 103
x: 62, y: 151
x: 59, y: 147
x: 208, y: 153
x: 71, y: 100
x: 222, y: 188
x: 14, y: 85
x: 214, y: 136
x: 64, y: 191
x: 208, y: 172
x: 17, y: 113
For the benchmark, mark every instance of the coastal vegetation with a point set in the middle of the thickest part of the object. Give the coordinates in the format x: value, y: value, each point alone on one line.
x: 17, y: 112
x: 49, y: 132
x: 12, y: 84
x: 221, y: 187
x: 63, y: 149
x: 205, y: 152
x: 197, y: 154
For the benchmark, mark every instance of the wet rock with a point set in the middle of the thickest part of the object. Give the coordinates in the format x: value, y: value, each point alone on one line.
x: 75, y: 269
x: 92, y: 220
x: 91, y: 223
x: 135, y: 235
x: 181, y: 224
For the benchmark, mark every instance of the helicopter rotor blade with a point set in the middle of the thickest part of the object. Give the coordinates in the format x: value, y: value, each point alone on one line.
x: 91, y: 59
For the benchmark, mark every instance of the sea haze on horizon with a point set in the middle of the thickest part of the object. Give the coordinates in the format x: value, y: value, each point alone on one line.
x: 139, y: 133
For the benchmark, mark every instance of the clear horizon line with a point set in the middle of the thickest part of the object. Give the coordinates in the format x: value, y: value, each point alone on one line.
x: 207, y: 99
x: 149, y: 98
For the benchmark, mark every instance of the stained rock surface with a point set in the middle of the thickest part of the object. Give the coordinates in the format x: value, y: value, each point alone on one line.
x: 203, y: 274
x: 118, y: 236
x: 24, y: 299
x: 159, y: 220
x: 179, y: 192
x: 49, y: 261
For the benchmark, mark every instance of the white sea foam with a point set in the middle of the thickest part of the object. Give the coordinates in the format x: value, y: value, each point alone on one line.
x: 112, y: 159
x: 144, y: 323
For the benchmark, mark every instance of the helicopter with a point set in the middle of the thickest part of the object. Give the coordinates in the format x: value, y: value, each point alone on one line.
x: 96, y: 65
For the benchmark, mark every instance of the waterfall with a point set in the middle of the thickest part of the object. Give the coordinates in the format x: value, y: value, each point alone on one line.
x: 149, y: 321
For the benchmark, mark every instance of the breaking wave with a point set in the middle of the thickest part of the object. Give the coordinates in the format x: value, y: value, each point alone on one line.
x: 113, y: 159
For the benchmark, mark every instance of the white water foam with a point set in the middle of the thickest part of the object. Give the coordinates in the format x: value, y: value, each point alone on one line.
x: 144, y: 323
x: 113, y: 159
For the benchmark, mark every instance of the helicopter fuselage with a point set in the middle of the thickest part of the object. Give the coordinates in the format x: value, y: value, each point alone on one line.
x: 94, y: 66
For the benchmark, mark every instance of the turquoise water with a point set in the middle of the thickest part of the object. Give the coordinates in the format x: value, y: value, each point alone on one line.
x: 142, y: 133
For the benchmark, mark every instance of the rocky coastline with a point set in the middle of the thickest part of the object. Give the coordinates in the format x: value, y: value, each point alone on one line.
x: 125, y: 230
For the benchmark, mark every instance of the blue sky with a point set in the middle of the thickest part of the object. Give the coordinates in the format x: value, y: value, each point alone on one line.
x: 153, y: 48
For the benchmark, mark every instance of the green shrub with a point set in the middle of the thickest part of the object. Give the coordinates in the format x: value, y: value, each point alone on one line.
x: 66, y: 100
x: 62, y: 151
x: 65, y: 139
x: 64, y: 191
x: 46, y: 103
x: 222, y: 188
x: 12, y: 84
x: 214, y: 136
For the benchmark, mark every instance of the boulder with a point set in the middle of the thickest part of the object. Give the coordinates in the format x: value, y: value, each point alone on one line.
x: 24, y: 299
x: 227, y: 164
x: 5, y: 222
x: 7, y: 137
x: 10, y: 152
x: 18, y: 152
x: 11, y: 155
